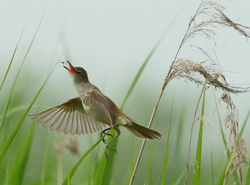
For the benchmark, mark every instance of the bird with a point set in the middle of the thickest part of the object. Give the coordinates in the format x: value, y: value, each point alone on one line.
x: 90, y: 112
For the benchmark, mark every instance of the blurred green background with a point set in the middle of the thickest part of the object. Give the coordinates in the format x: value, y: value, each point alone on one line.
x: 111, y: 40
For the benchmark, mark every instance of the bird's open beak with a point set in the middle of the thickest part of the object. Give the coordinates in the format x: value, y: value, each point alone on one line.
x: 72, y: 70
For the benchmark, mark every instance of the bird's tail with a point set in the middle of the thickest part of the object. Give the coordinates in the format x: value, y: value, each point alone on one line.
x: 142, y: 132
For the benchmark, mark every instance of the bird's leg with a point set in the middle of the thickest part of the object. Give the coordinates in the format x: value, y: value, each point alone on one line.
x: 104, y: 132
x: 117, y: 133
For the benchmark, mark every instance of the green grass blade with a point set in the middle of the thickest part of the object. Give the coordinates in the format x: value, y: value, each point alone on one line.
x: 179, y: 178
x: 244, y: 124
x: 150, y: 166
x: 45, y: 163
x: 69, y: 159
x: 17, y: 169
x: 199, y: 146
x: 108, y: 166
x: 14, y: 83
x: 248, y: 174
x: 100, y: 171
x: 159, y: 176
x: 179, y: 144
x: 99, y: 165
x: 90, y: 170
x: 13, y: 134
x: 72, y: 172
x: 163, y: 181
x: 6, y: 177
x: 222, y: 177
x: 146, y: 62
x: 108, y: 169
x: 91, y: 163
x: 12, y: 58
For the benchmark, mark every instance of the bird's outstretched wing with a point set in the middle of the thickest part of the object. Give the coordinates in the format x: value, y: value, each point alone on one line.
x: 68, y: 117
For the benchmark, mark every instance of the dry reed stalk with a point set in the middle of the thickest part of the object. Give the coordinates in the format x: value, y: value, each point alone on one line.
x: 192, y: 71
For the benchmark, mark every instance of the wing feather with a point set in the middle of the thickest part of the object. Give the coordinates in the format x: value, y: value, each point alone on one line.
x: 96, y: 100
x: 68, y: 117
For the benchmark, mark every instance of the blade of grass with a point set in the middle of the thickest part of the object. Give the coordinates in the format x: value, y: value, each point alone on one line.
x: 43, y: 181
x: 100, y: 170
x: 152, y: 116
x: 159, y: 176
x: 163, y: 181
x: 223, y: 175
x: 244, y: 123
x: 13, y: 134
x: 139, y: 73
x: 14, y: 83
x: 150, y: 166
x: 99, y: 165
x: 179, y: 142
x: 6, y: 177
x: 12, y: 58
x: 132, y: 158
x: 89, y: 179
x: 241, y: 132
x: 181, y: 176
x: 18, y: 167
x: 69, y: 158
x: 109, y: 167
x: 90, y: 163
x: 72, y: 172
x: 248, y: 174
x: 199, y: 146
x: 116, y: 172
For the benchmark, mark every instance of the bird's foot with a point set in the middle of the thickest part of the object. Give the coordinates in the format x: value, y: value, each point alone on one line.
x: 103, y: 133
x: 105, y: 151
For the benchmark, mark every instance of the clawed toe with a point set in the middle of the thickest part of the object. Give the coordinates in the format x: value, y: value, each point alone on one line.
x: 103, y: 133
x: 107, y: 146
x: 105, y: 151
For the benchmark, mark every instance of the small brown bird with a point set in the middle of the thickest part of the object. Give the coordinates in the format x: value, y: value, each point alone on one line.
x: 90, y: 112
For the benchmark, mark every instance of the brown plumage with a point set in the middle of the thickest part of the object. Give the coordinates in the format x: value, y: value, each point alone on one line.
x: 90, y: 112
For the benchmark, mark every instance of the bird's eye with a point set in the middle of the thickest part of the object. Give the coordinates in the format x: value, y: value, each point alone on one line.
x: 78, y: 72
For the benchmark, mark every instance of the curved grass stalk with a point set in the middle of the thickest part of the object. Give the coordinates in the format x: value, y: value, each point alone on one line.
x: 12, y: 136
x: 6, y: 146
x: 12, y: 58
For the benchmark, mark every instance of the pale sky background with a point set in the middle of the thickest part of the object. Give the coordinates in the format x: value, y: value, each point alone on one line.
x: 111, y: 39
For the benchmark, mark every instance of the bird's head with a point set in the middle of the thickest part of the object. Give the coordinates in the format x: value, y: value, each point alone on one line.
x: 77, y: 74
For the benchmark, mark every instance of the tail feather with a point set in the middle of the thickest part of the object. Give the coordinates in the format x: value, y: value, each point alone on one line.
x: 143, y: 132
